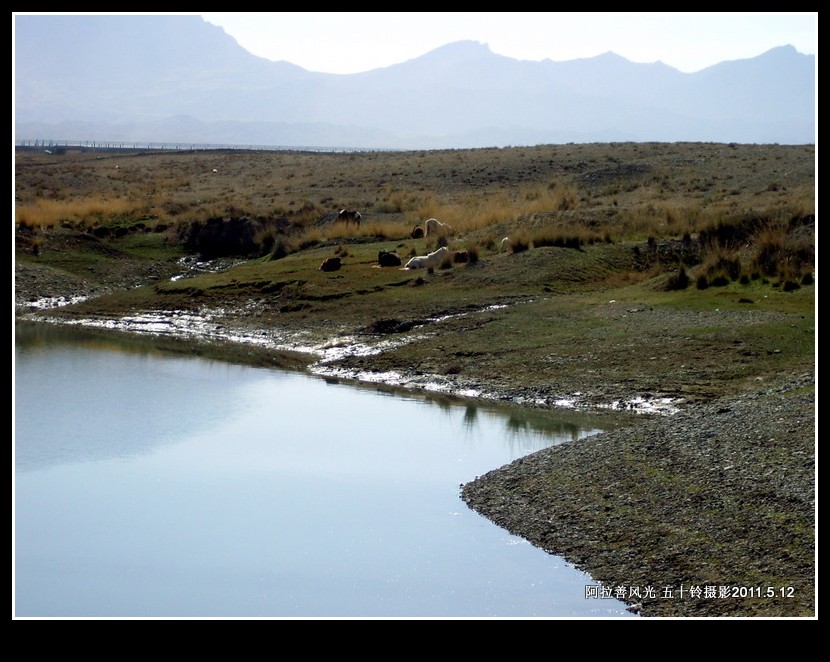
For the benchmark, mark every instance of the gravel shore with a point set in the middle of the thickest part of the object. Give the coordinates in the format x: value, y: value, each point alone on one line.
x: 709, y: 512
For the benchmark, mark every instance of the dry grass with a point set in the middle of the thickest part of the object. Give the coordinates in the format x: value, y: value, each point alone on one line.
x: 777, y: 252
x: 555, y: 194
x: 721, y: 266
x: 47, y: 213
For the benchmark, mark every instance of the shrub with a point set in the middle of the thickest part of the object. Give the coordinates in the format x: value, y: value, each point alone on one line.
x: 560, y: 240
x: 282, y: 247
x: 310, y: 239
x: 789, y: 286
x: 720, y: 280
x: 266, y: 242
x: 221, y: 237
x: 733, y: 232
x: 777, y: 252
x: 678, y: 281
x: 519, y: 244
x: 723, y: 263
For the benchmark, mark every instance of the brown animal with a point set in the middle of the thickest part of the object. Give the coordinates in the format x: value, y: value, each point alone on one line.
x: 389, y: 259
x: 331, y: 264
x: 417, y: 232
x: 349, y: 215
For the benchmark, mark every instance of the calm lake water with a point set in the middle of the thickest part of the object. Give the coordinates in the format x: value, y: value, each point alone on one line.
x: 149, y: 484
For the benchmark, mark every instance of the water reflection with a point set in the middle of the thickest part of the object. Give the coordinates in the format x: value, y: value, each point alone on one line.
x: 528, y: 428
x: 101, y: 399
x: 470, y: 416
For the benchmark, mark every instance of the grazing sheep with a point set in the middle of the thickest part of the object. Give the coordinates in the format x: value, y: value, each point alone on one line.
x: 434, y: 226
x: 331, y: 264
x: 349, y: 215
x: 430, y: 261
x: 388, y: 259
x: 417, y: 232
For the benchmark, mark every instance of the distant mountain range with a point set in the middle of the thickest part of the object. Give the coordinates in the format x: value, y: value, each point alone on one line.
x: 181, y: 79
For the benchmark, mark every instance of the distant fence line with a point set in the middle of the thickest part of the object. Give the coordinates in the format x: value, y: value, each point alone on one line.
x: 105, y: 146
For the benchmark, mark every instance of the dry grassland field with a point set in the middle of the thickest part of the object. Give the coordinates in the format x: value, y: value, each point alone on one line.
x: 673, y: 284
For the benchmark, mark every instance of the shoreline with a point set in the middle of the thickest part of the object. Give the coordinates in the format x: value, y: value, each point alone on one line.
x: 547, y: 498
x: 326, y: 355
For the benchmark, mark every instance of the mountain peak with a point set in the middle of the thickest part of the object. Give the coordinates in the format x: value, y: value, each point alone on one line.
x: 464, y: 46
x: 465, y: 49
x: 785, y: 51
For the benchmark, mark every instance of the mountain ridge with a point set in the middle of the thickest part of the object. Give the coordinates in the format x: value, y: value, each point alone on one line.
x: 460, y: 94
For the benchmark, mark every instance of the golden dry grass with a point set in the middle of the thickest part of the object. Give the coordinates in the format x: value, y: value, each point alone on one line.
x: 46, y: 213
x: 589, y: 192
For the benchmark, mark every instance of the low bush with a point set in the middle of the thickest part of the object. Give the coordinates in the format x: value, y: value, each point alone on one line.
x: 679, y: 280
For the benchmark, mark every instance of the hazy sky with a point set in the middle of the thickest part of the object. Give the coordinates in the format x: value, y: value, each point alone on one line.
x: 348, y: 42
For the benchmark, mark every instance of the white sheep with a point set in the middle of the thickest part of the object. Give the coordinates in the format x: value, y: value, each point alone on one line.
x: 434, y: 226
x: 430, y: 261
